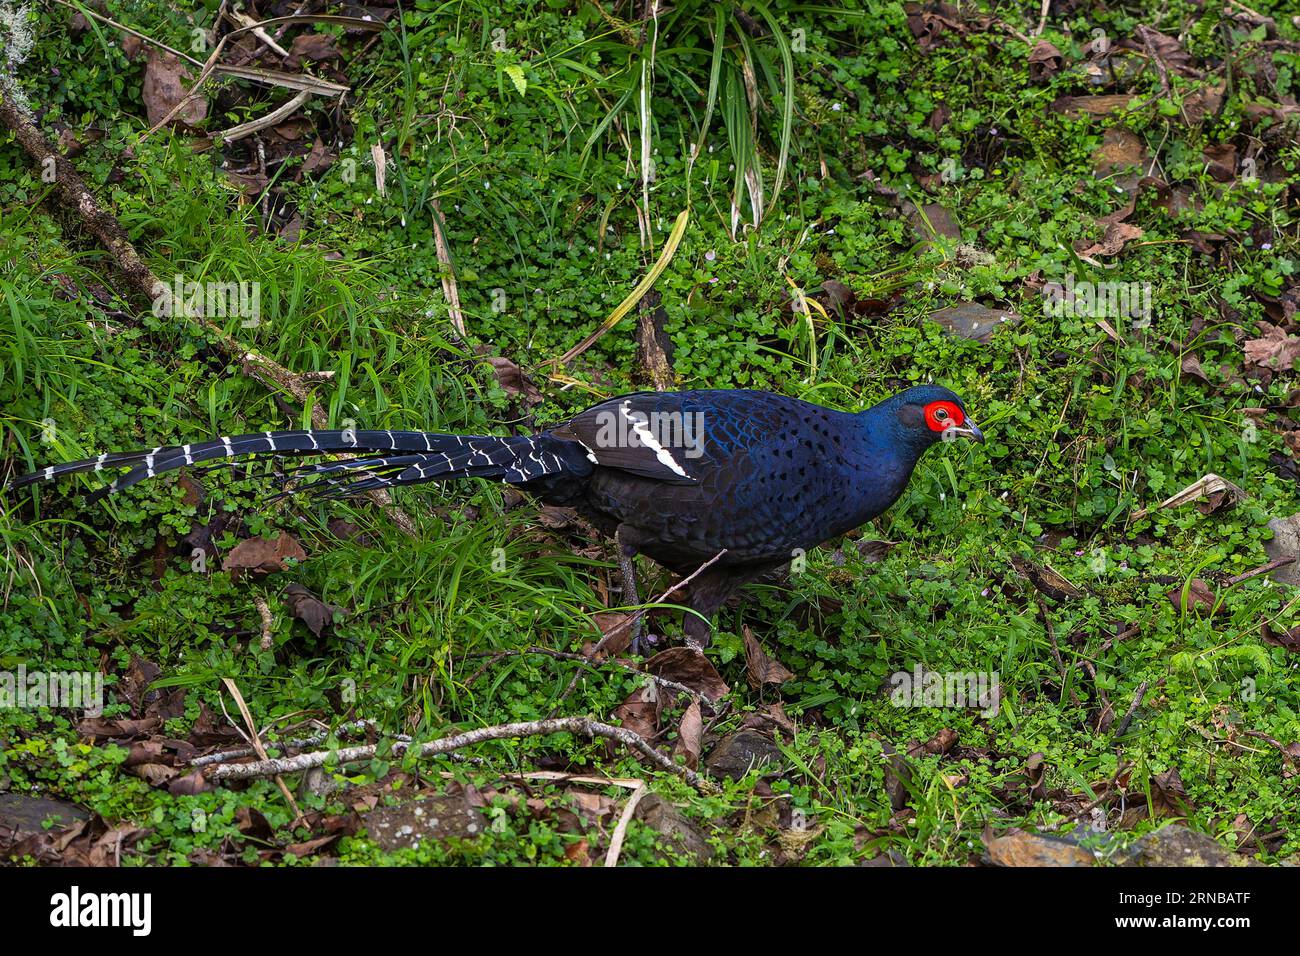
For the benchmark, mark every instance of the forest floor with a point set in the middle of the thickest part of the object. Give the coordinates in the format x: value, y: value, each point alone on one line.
x: 1084, y: 226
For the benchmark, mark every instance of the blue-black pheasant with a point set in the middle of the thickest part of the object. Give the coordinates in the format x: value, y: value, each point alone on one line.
x: 677, y: 476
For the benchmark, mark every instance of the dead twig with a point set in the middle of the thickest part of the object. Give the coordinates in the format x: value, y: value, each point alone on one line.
x: 255, y: 740
x: 1132, y: 709
x: 581, y: 726
x: 620, y: 831
x: 1056, y: 653
x: 448, y: 273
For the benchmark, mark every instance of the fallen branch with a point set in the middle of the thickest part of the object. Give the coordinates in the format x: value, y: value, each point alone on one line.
x: 256, y: 741
x: 105, y: 228
x: 582, y: 726
x: 448, y: 272
x: 1132, y: 709
x: 312, y: 741
x: 620, y: 831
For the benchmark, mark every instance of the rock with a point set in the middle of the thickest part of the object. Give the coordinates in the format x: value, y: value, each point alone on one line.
x: 1017, y: 847
x: 1177, y: 845
x: 736, y: 755
x: 430, y: 819
x: 26, y: 815
x: 930, y: 220
x: 679, y: 834
x: 890, y: 858
x: 1285, y: 544
x: 971, y: 320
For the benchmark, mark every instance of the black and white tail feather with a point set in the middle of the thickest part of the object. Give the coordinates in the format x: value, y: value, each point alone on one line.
x: 424, y: 456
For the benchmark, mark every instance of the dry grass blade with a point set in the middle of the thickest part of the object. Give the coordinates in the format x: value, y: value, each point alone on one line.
x: 1201, y: 488
x: 255, y: 741
x: 642, y: 287
x: 282, y: 112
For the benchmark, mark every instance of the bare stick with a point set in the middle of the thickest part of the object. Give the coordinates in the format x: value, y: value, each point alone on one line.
x: 582, y: 726
x: 105, y: 228
x: 1132, y: 709
x: 449, y: 288
x: 256, y: 740
x: 1056, y: 653
x: 1262, y: 569
x: 312, y: 741
x: 620, y: 831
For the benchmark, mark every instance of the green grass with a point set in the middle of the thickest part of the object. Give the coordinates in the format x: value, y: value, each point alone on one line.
x: 533, y: 155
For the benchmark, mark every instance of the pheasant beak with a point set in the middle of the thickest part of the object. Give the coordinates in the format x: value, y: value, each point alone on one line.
x: 969, y: 430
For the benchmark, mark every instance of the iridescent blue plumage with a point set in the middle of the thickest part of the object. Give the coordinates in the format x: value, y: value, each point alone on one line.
x: 682, y: 477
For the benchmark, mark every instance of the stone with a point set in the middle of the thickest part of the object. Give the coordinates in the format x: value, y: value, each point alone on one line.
x: 430, y: 819
x: 1285, y: 544
x: 679, y: 833
x: 26, y: 814
x: 736, y: 755
x: 1176, y: 845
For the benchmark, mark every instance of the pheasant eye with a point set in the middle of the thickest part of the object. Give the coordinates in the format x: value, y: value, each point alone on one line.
x: 940, y: 416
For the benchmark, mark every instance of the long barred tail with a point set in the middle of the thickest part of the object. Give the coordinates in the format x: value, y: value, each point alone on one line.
x: 424, y: 456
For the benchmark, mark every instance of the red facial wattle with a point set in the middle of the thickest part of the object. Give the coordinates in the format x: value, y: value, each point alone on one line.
x: 940, y: 422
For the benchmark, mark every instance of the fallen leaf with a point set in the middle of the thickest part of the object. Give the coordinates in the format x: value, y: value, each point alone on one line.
x: 1120, y: 149
x: 1200, y: 597
x: 971, y: 320
x: 1168, y: 796
x: 761, y: 669
x: 1045, y: 61
x: 1274, y: 349
x: 1289, y: 640
x: 1113, y: 239
x: 1221, y: 161
x: 262, y: 555
x: 512, y: 378
x: 163, y: 90
x: 688, y: 666
x: 689, y: 733
x: 315, y: 46
x: 942, y: 742
x: 1093, y: 105
x: 639, y: 711
x: 308, y: 608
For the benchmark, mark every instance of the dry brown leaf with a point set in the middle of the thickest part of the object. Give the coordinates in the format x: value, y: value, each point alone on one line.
x: 512, y: 378
x: 689, y: 666
x: 262, y: 555
x: 1113, y: 240
x: 761, y: 669
x: 1274, y: 349
x: 689, y: 733
x: 163, y: 89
